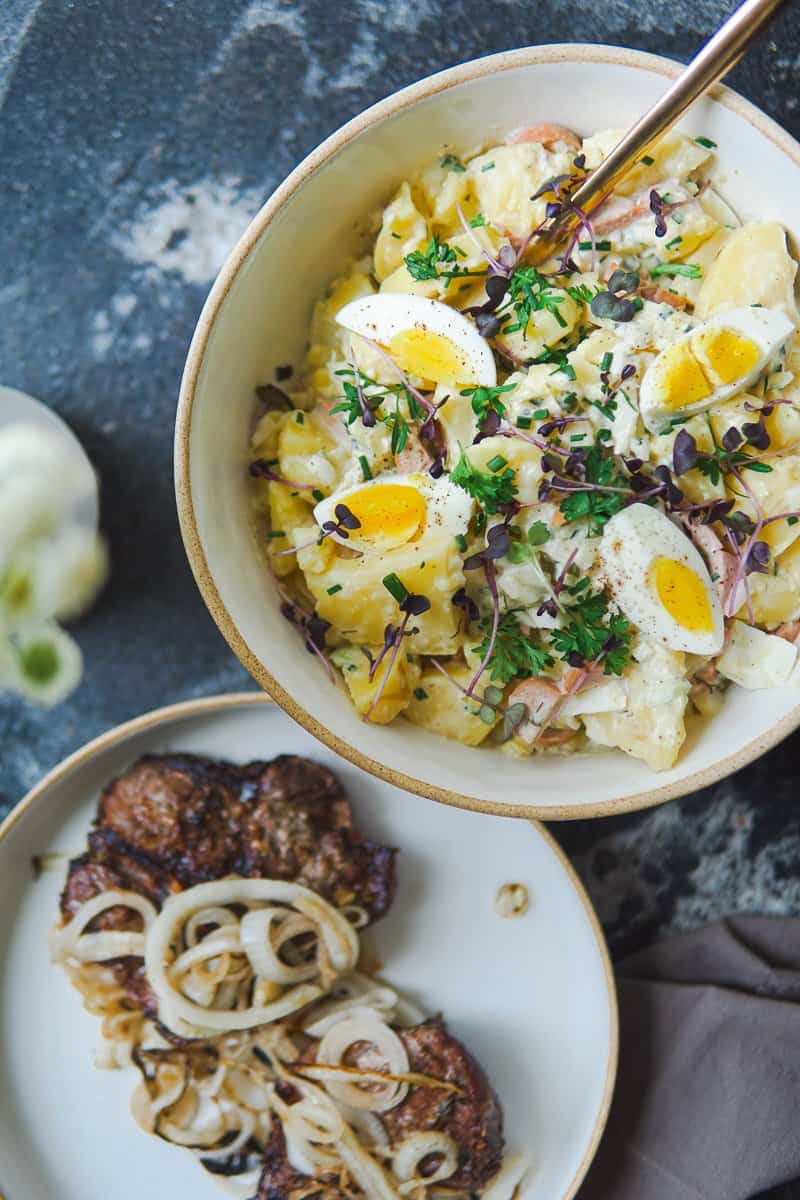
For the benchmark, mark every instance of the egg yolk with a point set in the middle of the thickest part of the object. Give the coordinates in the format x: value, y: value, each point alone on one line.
x: 728, y: 355
x: 390, y: 514
x: 683, y: 595
x: 684, y: 381
x: 431, y: 356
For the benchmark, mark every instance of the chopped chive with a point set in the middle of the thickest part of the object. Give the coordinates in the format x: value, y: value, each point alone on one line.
x: 300, y: 418
x: 578, y: 437
x: 646, y: 160
x: 478, y: 222
x: 792, y: 520
x: 598, y: 245
x: 706, y: 143
x: 541, y: 414
x: 334, y: 588
x: 603, y: 435
x: 461, y: 542
x: 397, y: 236
x: 524, y: 422
x: 638, y: 303
x: 606, y: 361
x: 497, y: 463
x: 420, y: 693
x: 676, y: 241
x: 276, y: 533
x: 395, y: 586
x: 488, y: 167
x: 452, y: 162
x: 568, y: 370
x: 318, y: 495
x: 365, y: 470
x: 689, y: 270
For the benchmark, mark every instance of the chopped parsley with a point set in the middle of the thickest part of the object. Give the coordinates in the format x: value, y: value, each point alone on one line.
x: 438, y: 260
x: 515, y: 655
x: 596, y: 506
x: 487, y: 399
x: 530, y: 292
x: 590, y: 630
x: 490, y: 490
x: 478, y: 221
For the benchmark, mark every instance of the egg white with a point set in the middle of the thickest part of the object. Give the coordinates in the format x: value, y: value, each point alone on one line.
x: 381, y: 317
x: 767, y: 328
x: 447, y: 507
x: 632, y: 540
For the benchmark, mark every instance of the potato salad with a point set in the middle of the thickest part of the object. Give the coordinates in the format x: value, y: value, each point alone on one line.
x: 552, y: 507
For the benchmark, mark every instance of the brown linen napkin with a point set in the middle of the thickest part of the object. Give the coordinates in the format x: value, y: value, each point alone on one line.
x: 707, y: 1105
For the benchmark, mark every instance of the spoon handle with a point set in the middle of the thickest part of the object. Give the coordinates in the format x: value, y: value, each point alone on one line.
x: 707, y: 67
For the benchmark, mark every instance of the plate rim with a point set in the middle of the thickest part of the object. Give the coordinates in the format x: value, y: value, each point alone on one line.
x: 227, y: 701
x: 580, y: 52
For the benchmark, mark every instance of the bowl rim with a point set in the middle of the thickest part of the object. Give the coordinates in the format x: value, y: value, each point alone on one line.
x: 228, y: 701
x: 395, y: 103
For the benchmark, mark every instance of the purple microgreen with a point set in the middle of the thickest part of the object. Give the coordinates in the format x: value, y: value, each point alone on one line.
x: 313, y: 627
x: 684, y: 453
x: 260, y: 468
x: 623, y: 282
x: 657, y: 208
x: 756, y: 434
x: 467, y: 604
x: 732, y: 439
x: 606, y: 306
x: 272, y: 398
x: 491, y: 583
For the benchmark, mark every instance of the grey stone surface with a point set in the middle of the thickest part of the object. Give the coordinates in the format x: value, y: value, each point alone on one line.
x: 135, y: 141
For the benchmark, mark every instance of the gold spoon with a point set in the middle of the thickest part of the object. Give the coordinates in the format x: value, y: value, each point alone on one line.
x: 707, y: 67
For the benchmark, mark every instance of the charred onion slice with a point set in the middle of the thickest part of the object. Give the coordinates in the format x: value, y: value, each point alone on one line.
x: 337, y: 1041
x: 412, y: 1152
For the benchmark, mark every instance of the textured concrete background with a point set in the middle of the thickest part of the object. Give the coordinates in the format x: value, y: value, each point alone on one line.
x: 135, y: 142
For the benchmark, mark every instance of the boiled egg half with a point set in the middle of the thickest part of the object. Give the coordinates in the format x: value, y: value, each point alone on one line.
x: 660, y: 582
x: 711, y: 363
x: 425, y: 338
x: 395, y: 509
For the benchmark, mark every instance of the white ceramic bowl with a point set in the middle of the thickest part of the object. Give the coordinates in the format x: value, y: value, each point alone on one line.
x: 256, y: 318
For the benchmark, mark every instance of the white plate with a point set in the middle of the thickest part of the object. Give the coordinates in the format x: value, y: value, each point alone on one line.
x: 532, y: 996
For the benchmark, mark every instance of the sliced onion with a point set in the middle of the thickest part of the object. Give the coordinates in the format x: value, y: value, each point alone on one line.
x: 71, y: 942
x: 365, y: 1170
x: 418, y: 1146
x: 356, y: 915
x: 262, y: 943
x: 322, y: 1025
x: 245, y: 1122
x: 504, y: 1185
x: 368, y: 1125
x: 337, y: 952
x: 337, y: 1041
x: 218, y: 917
